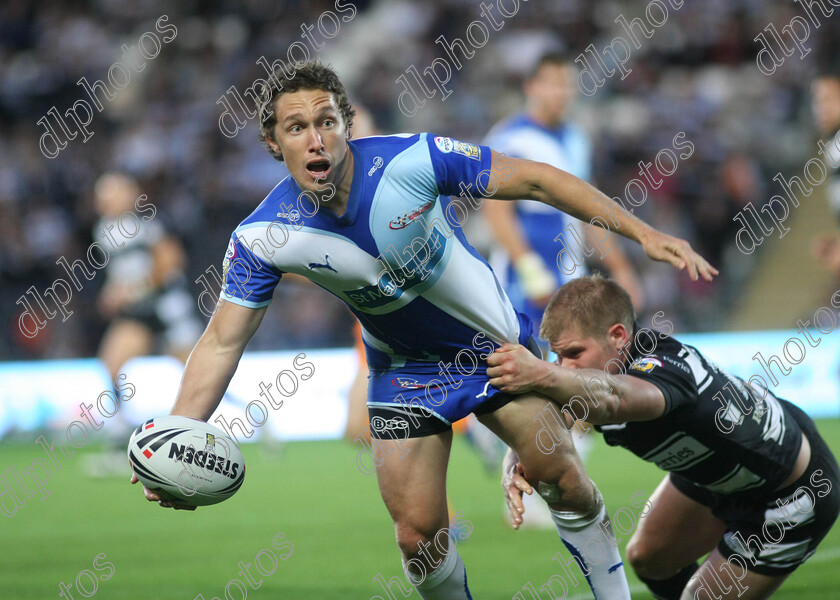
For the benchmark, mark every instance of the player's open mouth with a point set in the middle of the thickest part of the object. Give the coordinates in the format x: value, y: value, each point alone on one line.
x: 318, y: 168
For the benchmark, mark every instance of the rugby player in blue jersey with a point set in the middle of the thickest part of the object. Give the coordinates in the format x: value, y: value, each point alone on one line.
x: 529, y: 251
x: 371, y: 222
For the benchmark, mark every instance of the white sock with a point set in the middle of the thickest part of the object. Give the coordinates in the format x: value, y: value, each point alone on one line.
x: 583, y: 444
x: 537, y: 514
x: 590, y: 540
x: 447, y: 582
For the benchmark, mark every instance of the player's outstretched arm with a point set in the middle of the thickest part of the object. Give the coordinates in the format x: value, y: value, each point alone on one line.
x: 214, y: 359
x: 516, y: 178
x: 210, y: 368
x: 588, y: 394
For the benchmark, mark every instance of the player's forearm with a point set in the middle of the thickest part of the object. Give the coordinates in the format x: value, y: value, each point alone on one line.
x: 574, y: 196
x: 585, y: 393
x: 614, y: 258
x: 207, y: 375
x: 501, y: 217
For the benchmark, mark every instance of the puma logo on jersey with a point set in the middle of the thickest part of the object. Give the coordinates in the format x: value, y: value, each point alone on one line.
x: 323, y: 265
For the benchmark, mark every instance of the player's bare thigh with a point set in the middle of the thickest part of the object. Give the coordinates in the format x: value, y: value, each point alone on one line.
x: 674, y: 533
x: 518, y: 423
x: 124, y: 340
x: 412, y: 482
x: 731, y: 580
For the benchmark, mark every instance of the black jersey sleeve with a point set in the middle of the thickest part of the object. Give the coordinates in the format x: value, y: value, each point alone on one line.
x: 671, y: 374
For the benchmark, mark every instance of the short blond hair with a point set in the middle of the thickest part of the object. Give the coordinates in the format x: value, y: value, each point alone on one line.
x: 590, y: 305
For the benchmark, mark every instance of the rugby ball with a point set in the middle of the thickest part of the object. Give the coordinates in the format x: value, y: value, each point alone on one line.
x: 186, y: 459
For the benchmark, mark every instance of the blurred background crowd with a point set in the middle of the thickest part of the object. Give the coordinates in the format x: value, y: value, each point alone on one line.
x: 697, y: 74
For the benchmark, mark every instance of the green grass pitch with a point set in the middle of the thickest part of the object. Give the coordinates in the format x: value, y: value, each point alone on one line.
x: 333, y: 515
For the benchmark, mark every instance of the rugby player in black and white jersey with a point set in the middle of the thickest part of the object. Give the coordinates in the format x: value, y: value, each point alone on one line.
x: 146, y: 296
x: 825, y: 95
x: 751, y: 481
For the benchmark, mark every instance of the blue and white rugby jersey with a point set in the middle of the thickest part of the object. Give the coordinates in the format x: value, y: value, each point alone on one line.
x: 396, y: 214
x: 566, y: 147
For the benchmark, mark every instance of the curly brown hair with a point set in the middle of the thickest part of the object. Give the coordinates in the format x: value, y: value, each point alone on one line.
x: 312, y: 76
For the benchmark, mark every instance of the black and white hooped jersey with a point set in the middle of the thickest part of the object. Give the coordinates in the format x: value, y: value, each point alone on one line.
x: 717, y: 431
x: 130, y: 258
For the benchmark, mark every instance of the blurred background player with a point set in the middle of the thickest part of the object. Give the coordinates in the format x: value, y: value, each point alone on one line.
x: 526, y: 254
x: 145, y: 297
x: 825, y: 92
x: 826, y: 108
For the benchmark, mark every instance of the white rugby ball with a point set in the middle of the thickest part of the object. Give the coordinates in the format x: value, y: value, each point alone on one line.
x: 189, y: 460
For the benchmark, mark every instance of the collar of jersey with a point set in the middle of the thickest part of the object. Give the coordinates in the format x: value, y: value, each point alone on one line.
x: 557, y: 132
x: 352, y: 211
x: 631, y: 351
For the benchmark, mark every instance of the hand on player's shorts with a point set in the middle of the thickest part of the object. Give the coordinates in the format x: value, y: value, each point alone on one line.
x: 514, y: 485
x: 161, y: 498
x: 677, y: 252
x: 513, y: 369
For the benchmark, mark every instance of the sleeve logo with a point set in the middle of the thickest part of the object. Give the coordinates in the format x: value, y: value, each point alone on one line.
x: 229, y: 255
x: 646, y: 364
x: 468, y: 150
x: 444, y: 144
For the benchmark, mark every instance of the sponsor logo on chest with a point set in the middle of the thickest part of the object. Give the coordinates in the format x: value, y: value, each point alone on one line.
x: 678, y: 452
x: 403, y: 220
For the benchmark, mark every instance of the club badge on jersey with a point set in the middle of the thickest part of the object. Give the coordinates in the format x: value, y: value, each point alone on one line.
x: 447, y: 145
x: 646, y: 364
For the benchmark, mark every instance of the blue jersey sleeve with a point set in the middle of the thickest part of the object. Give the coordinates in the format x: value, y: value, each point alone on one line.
x: 457, y: 162
x: 248, y: 280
